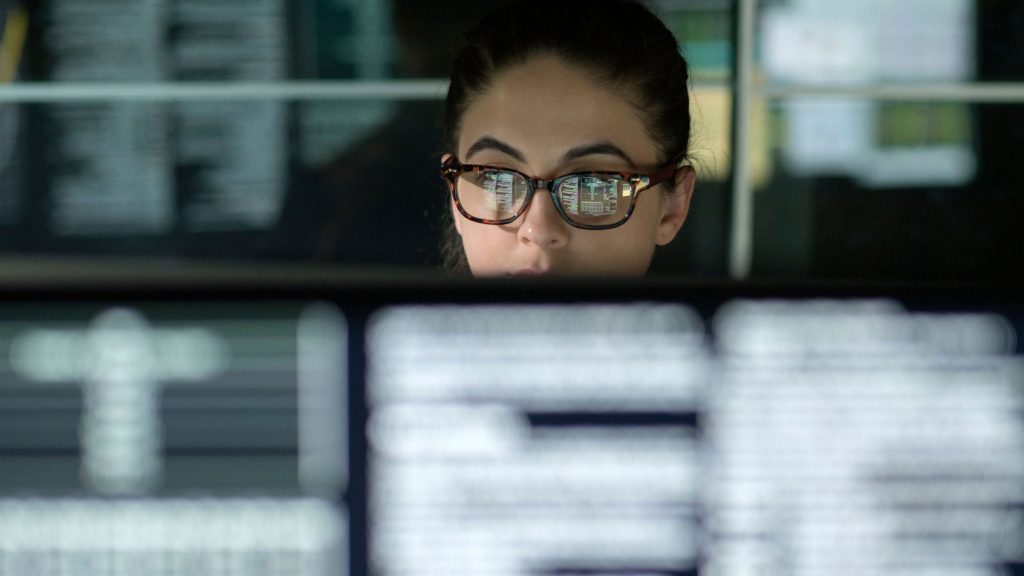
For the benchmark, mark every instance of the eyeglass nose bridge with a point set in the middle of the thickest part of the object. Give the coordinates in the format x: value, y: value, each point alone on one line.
x: 539, y: 183
x: 548, y: 186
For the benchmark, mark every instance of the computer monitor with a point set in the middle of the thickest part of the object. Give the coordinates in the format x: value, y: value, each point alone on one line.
x: 541, y: 427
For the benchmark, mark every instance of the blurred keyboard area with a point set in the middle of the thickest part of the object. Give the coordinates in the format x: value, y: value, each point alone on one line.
x: 873, y: 140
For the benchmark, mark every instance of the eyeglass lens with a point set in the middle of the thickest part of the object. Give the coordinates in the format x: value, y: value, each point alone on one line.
x: 589, y: 200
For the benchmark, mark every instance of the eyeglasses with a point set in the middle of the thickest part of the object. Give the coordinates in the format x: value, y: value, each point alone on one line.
x: 588, y: 200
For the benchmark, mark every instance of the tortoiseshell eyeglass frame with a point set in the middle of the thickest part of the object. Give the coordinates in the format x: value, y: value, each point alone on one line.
x: 451, y: 169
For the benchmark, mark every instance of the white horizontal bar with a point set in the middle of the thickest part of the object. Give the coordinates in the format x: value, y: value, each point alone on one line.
x: 435, y: 89
x: 429, y: 89
x: 207, y: 91
x: 980, y: 92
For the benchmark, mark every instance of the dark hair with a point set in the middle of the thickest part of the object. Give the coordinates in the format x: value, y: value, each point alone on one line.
x: 618, y: 41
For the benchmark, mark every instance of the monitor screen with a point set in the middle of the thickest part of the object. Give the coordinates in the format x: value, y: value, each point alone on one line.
x: 534, y: 428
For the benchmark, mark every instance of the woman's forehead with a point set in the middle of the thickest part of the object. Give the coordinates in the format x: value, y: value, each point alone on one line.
x: 545, y: 107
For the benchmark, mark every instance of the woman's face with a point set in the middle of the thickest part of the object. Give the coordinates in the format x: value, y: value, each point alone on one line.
x: 546, y: 118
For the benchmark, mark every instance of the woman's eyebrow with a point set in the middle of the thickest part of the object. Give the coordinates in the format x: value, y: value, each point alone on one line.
x: 491, y: 143
x: 606, y: 148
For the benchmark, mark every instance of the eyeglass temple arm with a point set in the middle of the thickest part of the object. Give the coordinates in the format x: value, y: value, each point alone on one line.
x: 664, y: 174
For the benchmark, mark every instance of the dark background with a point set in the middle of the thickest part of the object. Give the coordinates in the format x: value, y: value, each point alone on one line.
x: 365, y: 192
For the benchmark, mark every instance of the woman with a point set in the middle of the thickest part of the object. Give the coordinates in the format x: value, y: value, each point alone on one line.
x: 567, y: 126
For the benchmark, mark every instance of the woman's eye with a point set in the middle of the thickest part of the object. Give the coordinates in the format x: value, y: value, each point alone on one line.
x: 599, y: 196
x: 591, y: 195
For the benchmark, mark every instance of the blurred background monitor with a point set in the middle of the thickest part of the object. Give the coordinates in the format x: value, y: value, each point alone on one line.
x: 876, y: 139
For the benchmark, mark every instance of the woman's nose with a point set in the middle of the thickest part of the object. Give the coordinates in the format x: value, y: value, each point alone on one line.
x: 542, y: 224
